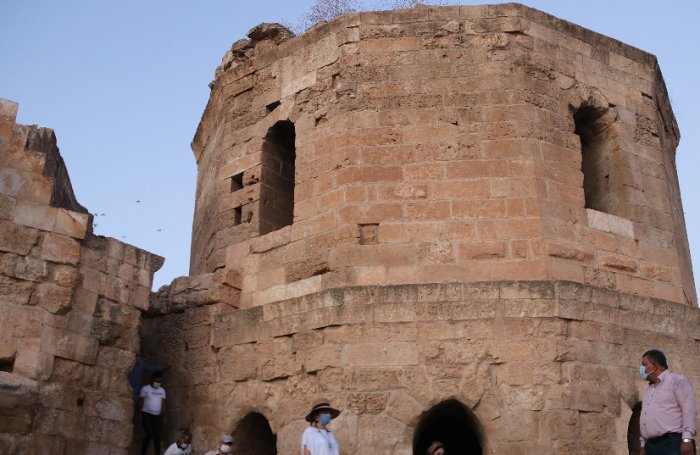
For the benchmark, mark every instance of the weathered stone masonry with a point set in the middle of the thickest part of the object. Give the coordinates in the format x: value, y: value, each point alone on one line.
x: 70, y: 306
x: 486, y: 226
x: 455, y: 223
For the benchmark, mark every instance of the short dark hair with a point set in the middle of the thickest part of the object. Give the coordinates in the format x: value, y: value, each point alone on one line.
x: 657, y: 357
x: 186, y: 434
x: 157, y: 375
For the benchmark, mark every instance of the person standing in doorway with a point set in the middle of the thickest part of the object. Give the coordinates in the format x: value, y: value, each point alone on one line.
x: 140, y: 367
x: 668, y: 420
x: 318, y: 439
x: 152, y: 405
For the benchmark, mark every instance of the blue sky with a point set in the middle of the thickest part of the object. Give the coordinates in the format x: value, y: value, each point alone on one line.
x: 124, y: 85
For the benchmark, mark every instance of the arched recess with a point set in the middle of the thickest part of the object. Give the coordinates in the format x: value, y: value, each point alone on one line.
x: 633, y: 432
x: 451, y: 423
x: 253, y: 436
x: 602, y: 160
x: 277, y: 179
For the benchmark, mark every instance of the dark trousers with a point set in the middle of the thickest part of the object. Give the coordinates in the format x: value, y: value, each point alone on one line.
x: 667, y: 446
x: 151, y: 430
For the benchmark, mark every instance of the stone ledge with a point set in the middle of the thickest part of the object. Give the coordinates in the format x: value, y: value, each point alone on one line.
x: 453, y: 302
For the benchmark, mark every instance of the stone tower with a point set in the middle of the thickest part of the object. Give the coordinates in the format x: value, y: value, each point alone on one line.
x: 455, y: 223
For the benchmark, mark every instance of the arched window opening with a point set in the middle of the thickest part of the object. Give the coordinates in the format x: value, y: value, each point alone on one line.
x: 277, y: 179
x: 633, y: 432
x: 253, y: 436
x: 598, y: 158
x: 452, y: 424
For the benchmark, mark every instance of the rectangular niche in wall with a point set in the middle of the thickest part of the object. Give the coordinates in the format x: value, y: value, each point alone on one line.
x: 236, y: 182
x: 597, y: 161
x: 277, y: 177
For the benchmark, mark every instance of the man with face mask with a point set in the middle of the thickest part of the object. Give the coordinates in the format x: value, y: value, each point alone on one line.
x: 152, y: 405
x: 668, y: 419
x: 182, y: 446
x: 225, y: 446
x: 318, y: 439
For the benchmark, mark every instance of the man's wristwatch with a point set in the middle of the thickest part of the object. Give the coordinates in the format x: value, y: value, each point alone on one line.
x: 687, y: 440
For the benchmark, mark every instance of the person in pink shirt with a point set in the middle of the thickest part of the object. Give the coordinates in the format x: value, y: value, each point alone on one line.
x: 668, y: 420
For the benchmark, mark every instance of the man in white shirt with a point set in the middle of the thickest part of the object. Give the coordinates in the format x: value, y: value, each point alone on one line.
x: 183, y: 446
x: 152, y: 405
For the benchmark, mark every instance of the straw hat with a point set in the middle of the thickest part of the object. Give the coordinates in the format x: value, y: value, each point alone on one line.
x: 322, y: 407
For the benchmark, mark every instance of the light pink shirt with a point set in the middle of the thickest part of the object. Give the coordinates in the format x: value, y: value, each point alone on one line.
x: 668, y: 407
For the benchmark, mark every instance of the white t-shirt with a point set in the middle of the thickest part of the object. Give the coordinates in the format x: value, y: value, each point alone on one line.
x: 152, y: 399
x: 319, y: 442
x: 175, y: 450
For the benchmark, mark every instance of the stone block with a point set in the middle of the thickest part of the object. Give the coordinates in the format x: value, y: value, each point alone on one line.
x: 84, y: 301
x: 65, y: 276
x: 15, y: 292
x: 527, y: 290
x: 53, y: 298
x: 21, y: 321
x: 38, y: 216
x: 8, y: 116
x: 403, y: 407
x: 364, y: 403
x: 94, y: 280
x: 117, y: 289
x: 60, y: 248
x: 69, y: 345
x: 12, y: 182
x: 321, y: 357
x: 23, y: 267
x: 31, y: 361
x: 17, y: 239
x: 375, y: 354
x: 520, y: 426
x: 561, y: 424
x: 7, y: 207
x: 279, y: 367
x: 72, y: 224
x: 17, y: 421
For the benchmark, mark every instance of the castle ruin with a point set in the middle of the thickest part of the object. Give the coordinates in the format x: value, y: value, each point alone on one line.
x: 454, y: 223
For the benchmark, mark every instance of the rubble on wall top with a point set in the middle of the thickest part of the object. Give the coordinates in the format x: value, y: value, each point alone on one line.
x: 245, y: 49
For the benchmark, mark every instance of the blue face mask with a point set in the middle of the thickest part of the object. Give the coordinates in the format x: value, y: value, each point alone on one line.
x: 324, y: 419
x: 643, y: 372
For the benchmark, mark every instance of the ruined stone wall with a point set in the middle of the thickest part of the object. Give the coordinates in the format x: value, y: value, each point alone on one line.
x: 441, y: 144
x: 70, y: 306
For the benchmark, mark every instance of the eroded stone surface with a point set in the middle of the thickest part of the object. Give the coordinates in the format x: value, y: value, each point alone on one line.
x: 57, y: 393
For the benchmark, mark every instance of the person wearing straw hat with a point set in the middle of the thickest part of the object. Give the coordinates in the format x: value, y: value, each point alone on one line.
x: 318, y: 439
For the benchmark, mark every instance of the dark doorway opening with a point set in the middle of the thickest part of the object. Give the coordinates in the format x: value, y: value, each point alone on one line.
x: 633, y: 432
x: 253, y: 436
x: 452, y: 424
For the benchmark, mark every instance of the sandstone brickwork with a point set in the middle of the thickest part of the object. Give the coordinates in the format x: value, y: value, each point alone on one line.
x: 453, y: 223
x: 70, y: 305
x: 485, y: 234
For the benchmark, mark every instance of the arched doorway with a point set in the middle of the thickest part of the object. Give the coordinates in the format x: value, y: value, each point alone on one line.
x: 253, y: 436
x: 451, y: 423
x: 633, y: 432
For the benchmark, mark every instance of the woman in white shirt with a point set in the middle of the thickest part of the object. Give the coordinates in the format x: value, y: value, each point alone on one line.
x: 318, y: 439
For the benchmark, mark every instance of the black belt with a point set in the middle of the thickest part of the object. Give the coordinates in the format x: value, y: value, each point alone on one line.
x: 662, y: 437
